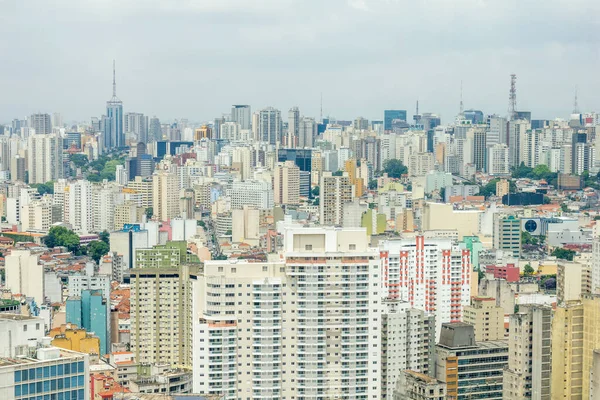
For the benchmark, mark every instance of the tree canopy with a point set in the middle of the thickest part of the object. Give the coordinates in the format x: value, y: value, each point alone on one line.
x: 564, y: 254
x: 61, y: 236
x: 44, y: 188
x: 97, y: 249
x: 394, y: 168
x: 79, y: 160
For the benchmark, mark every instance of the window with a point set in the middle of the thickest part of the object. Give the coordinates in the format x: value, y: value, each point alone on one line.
x: 308, y: 247
x: 352, y: 247
x: 24, y: 328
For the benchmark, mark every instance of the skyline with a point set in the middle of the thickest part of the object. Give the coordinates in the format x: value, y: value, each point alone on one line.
x: 364, y: 56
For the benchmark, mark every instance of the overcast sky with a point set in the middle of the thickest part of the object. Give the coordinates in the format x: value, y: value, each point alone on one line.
x: 194, y: 58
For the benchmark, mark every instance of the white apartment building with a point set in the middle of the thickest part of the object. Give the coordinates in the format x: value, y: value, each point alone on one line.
x: 37, y: 216
x: 79, y: 206
x: 78, y: 283
x: 306, y: 327
x: 17, y: 331
x: 24, y: 274
x: 252, y: 193
x: 44, y: 162
x: 498, y: 160
x: 103, y: 205
x: 433, y: 275
x: 335, y: 192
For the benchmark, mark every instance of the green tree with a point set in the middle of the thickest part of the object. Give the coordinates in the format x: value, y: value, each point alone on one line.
x: 61, y: 236
x: 79, y: 160
x: 373, y: 184
x: 97, y: 249
x: 338, y: 173
x: 394, y: 168
x: 105, y: 237
x: 220, y: 257
x: 316, y: 191
x: 443, y: 194
x: 564, y: 254
x: 522, y: 171
x: 528, y: 270
x: 564, y: 207
x: 44, y: 188
x: 149, y: 212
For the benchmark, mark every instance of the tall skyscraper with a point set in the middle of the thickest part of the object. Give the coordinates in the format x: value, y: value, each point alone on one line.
x: 137, y: 124
x: 154, y: 130
x: 390, y: 115
x: 45, y: 161
x: 479, y: 146
x: 529, y: 357
x: 293, y: 128
x: 165, y: 195
x: 113, y: 126
x: 242, y: 114
x: 269, y: 129
x: 516, y: 131
x: 42, y: 123
x: 286, y: 183
x: 307, y: 132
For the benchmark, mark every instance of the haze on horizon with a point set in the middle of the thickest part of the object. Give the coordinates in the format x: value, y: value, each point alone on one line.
x: 195, y: 58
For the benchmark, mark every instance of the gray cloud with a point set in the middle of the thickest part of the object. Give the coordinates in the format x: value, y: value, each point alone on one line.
x: 193, y: 58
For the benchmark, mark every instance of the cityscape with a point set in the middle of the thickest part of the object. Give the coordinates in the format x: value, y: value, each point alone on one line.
x: 282, y: 253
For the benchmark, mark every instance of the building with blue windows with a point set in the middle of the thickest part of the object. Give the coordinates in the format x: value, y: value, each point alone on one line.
x: 390, y: 115
x: 91, y: 311
x: 45, y: 373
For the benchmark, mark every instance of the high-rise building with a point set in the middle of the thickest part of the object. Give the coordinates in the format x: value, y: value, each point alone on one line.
x: 487, y: 319
x: 497, y: 131
x: 470, y: 369
x: 230, y: 131
x: 530, y: 147
x: 498, y: 162
x: 420, y: 164
x: 433, y: 275
x: 113, y: 125
x: 269, y: 128
x: 286, y: 183
x: 529, y: 362
x: 391, y: 115
x: 41, y: 123
x: 137, y: 124
x: 475, y: 116
x: 516, y: 131
x: 91, y: 311
x: 79, y: 206
x: 416, y: 386
x: 45, y: 161
x: 293, y: 128
x: 242, y: 114
x: 507, y: 233
x: 335, y: 192
x: 479, y: 140
x: 254, y: 193
x: 161, y: 307
x: 24, y: 274
x: 165, y: 195
x: 307, y: 132
x: 154, y: 130
x: 502, y: 187
x: 407, y: 343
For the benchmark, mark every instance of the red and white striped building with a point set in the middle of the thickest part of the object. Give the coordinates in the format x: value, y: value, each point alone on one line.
x: 431, y: 274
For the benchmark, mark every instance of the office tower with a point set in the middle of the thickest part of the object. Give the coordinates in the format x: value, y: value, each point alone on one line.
x: 72, y: 139
x: 45, y: 372
x: 523, y: 115
x: 91, y: 311
x: 529, y: 362
x: 204, y: 132
x: 433, y: 275
x: 305, y: 180
x: 460, y: 359
x: 360, y: 123
x: 165, y: 195
x: 498, y: 162
x: 416, y: 386
x: 79, y: 206
x: 253, y: 193
x: 17, y: 168
x: 57, y: 120
x: 479, y: 146
x: 516, y: 130
x: 137, y: 123
x: 390, y: 115
x: 335, y: 192
x: 307, y: 132
x: 293, y: 128
x: 217, y: 123
x: 269, y: 128
x: 475, y: 116
x: 154, y: 130
x: 407, y: 343
x: 45, y: 161
x: 41, y: 123
x: 487, y: 319
x: 143, y: 188
x: 497, y: 131
x: 286, y: 183
x: 580, y: 153
x: 301, y: 157
x: 429, y: 121
x: 24, y: 274
x: 113, y: 124
x: 161, y: 307
x: 507, y: 233
x: 242, y: 114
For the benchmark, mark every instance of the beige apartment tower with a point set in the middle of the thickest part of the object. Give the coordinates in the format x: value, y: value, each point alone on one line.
x: 165, y: 195
x: 286, y: 183
x: 335, y: 192
x: 486, y: 318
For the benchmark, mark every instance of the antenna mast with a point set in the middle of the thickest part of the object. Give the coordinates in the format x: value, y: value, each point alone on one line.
x: 575, y: 104
x: 461, y: 99
x: 512, y: 97
x: 114, y: 80
x: 321, y: 117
